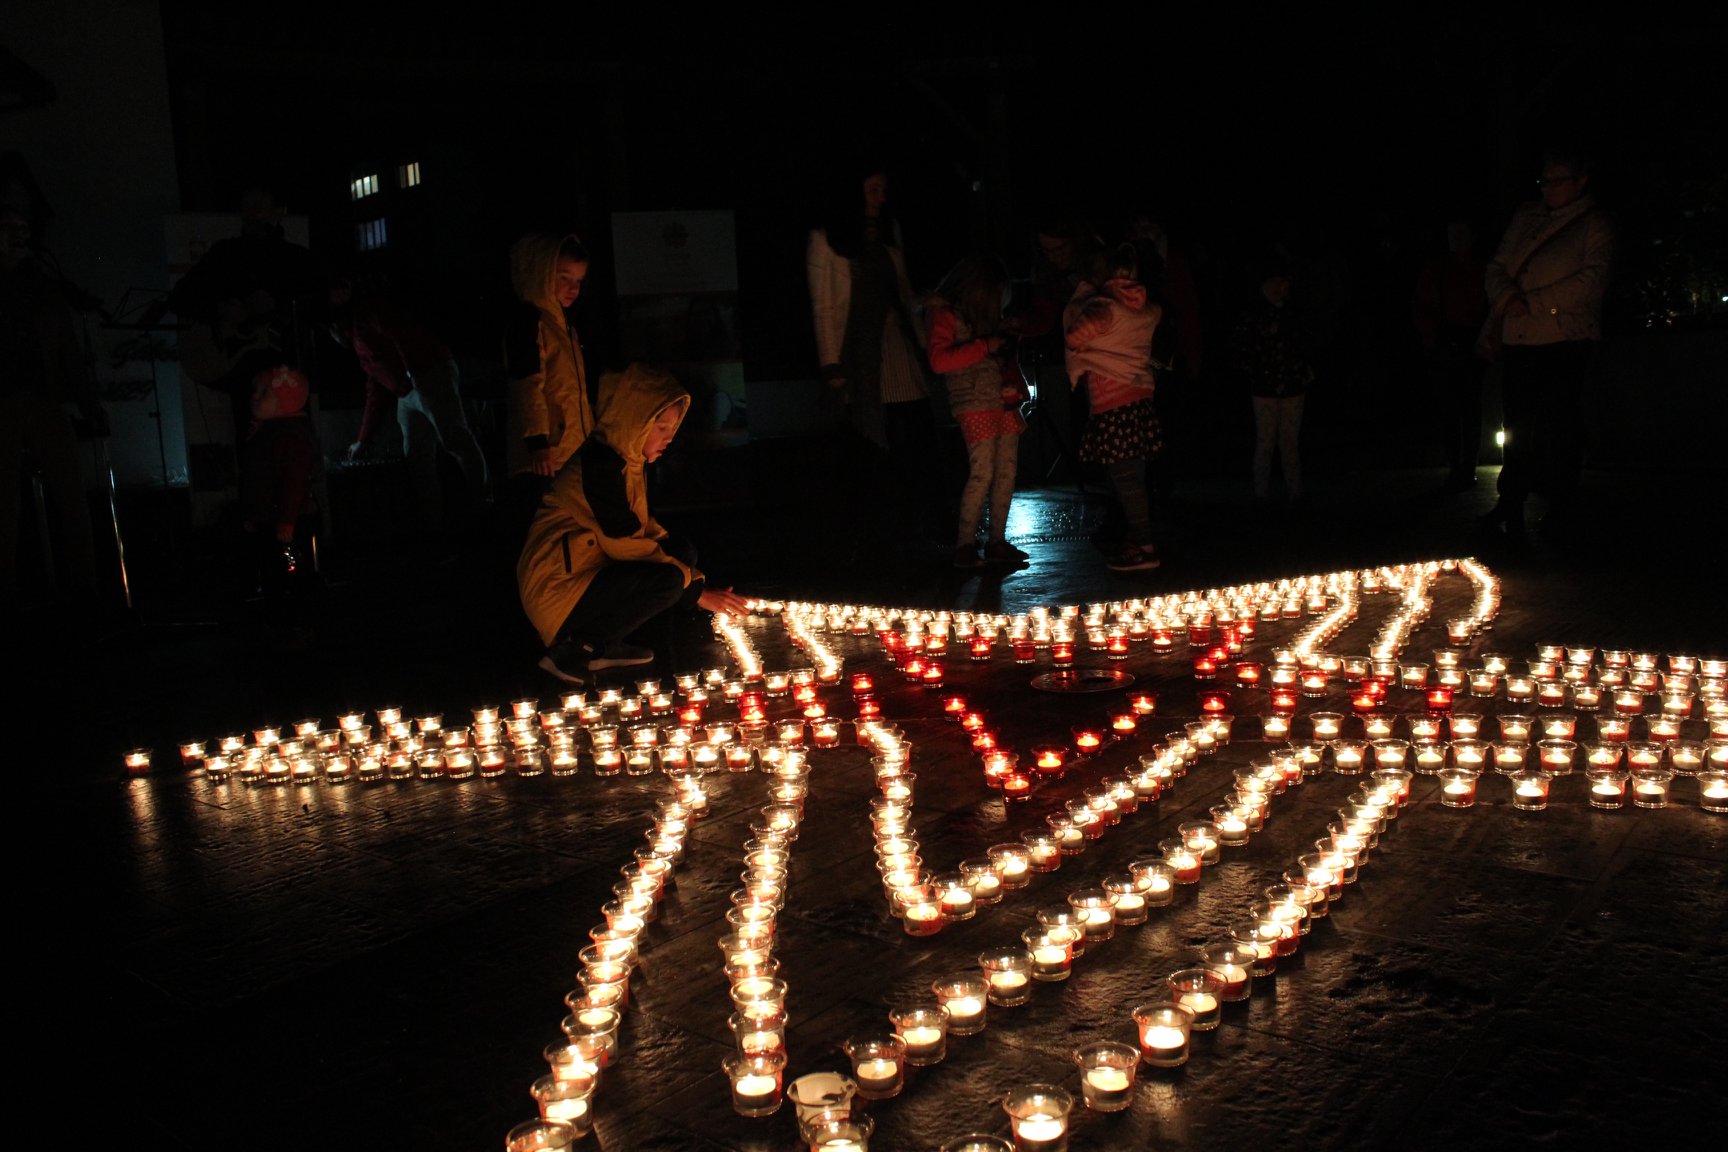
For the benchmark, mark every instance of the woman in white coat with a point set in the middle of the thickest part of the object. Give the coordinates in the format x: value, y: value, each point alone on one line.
x: 871, y: 343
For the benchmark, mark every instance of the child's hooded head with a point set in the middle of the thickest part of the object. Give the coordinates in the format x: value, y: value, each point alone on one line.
x: 640, y: 411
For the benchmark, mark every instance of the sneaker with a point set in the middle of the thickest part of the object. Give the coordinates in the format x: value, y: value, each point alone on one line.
x: 620, y: 655
x: 550, y: 665
x: 1002, y: 552
x: 966, y: 556
x: 1133, y: 559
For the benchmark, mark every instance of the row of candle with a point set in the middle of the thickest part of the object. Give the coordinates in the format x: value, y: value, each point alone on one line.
x: 1002, y: 768
x: 755, y: 1070
x: 564, y: 1096
x: 595, y: 1007
x: 530, y: 746
x: 1286, y: 598
x: 1648, y: 787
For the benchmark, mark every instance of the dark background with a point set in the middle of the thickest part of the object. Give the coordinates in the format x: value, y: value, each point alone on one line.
x: 1351, y: 137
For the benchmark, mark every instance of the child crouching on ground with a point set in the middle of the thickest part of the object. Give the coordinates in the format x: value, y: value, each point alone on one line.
x: 597, y: 565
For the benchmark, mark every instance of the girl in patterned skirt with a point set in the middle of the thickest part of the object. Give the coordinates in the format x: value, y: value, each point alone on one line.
x: 1108, y: 329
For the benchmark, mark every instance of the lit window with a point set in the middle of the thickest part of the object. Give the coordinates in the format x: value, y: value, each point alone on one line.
x: 370, y: 234
x: 408, y: 175
x: 362, y: 186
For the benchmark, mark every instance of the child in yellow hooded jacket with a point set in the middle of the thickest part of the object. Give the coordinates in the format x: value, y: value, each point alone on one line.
x: 597, y: 565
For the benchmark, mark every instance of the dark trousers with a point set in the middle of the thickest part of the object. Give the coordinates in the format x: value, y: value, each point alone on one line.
x: 1544, y: 421
x: 1455, y: 372
x: 276, y: 464
x: 625, y: 595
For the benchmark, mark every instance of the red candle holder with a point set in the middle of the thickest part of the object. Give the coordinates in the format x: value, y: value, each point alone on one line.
x: 936, y: 642
x: 953, y: 708
x: 891, y: 642
x: 913, y: 668
x: 1163, y: 639
x: 998, y: 764
x: 980, y: 647
x: 1214, y: 703
x: 1199, y: 635
x: 815, y: 710
x: 752, y: 714
x: 1123, y: 723
x: 1016, y: 786
x: 690, y: 713
x: 1025, y: 649
x: 1248, y: 674
x: 1232, y: 641
x: 972, y: 721
x: 869, y: 708
x: 862, y: 684
x: 1050, y: 759
x: 804, y: 693
x: 1440, y: 698
x: 1062, y: 653
x: 932, y: 677
x: 1205, y: 666
x: 1116, y: 647
x: 1364, y: 703
x: 1282, y: 699
x: 983, y: 741
x: 1088, y: 740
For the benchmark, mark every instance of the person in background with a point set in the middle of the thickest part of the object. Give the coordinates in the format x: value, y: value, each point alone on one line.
x: 405, y: 360
x: 251, y: 302
x: 1449, y: 307
x: 597, y: 566
x: 968, y: 340
x: 1273, y: 356
x: 870, y: 345
x: 42, y: 368
x: 1545, y: 287
x: 1108, y: 330
x: 276, y: 460
x: 549, y: 412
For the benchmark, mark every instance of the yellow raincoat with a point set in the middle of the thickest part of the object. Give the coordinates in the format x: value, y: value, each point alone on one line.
x: 569, y: 542
x: 551, y: 401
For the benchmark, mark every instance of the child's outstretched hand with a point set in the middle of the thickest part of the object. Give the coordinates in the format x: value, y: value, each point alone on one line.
x: 723, y: 600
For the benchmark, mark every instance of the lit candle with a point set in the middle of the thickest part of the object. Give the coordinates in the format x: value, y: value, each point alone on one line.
x: 877, y: 1073
x: 1162, y: 1038
x: 1039, y: 1128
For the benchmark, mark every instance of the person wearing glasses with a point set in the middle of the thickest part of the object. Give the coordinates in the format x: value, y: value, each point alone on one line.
x: 1545, y: 286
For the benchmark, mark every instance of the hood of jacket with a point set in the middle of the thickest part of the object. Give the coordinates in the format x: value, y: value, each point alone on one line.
x: 630, y: 401
x: 534, y: 269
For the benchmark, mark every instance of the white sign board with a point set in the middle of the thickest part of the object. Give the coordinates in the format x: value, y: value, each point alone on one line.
x: 674, y: 253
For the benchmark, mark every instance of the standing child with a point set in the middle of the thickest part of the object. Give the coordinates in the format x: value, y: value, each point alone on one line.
x: 1272, y: 354
x: 277, y: 459
x: 1108, y: 328
x: 967, y: 335
x: 550, y: 412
